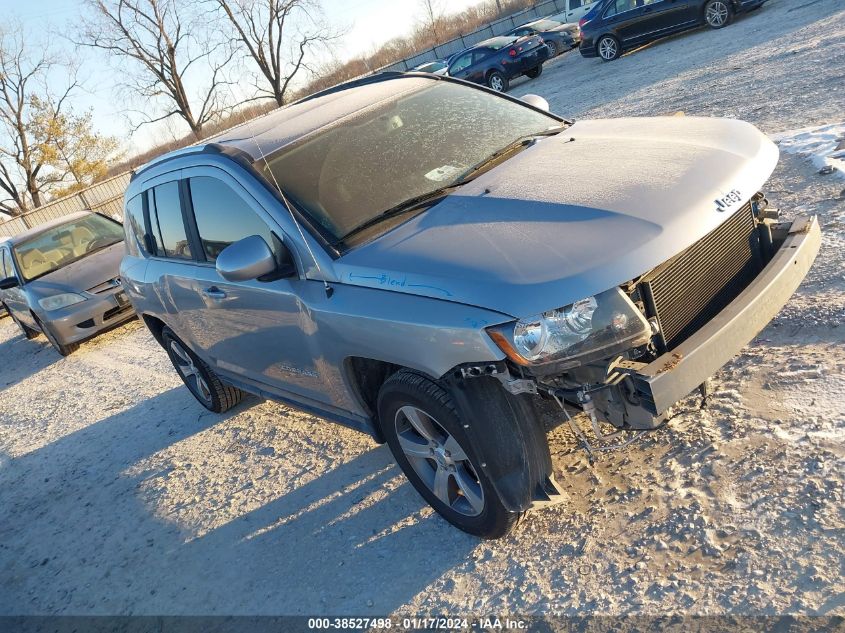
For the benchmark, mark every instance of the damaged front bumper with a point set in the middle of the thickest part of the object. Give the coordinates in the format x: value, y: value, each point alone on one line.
x: 675, y: 374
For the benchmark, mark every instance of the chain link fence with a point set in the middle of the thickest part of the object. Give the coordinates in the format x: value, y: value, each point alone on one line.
x: 105, y: 197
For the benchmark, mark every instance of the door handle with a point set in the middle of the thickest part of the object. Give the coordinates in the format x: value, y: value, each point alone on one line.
x: 214, y: 293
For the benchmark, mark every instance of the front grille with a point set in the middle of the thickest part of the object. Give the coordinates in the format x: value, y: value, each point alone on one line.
x: 106, y: 286
x: 691, y: 288
x: 113, y: 312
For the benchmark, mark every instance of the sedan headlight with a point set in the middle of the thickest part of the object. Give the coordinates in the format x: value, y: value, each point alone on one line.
x: 60, y: 301
x: 591, y: 328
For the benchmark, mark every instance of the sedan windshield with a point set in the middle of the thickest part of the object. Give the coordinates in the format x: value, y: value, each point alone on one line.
x: 65, y: 244
x: 398, y: 151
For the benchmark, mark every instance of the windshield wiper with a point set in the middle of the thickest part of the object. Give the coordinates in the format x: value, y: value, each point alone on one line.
x: 518, y: 143
x: 411, y: 204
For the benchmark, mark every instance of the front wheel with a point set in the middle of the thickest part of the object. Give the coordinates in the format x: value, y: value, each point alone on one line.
x: 535, y: 72
x: 64, y: 349
x: 608, y: 47
x: 28, y: 332
x: 552, y: 46
x: 424, y: 432
x: 497, y: 81
x: 199, y: 378
x: 718, y: 13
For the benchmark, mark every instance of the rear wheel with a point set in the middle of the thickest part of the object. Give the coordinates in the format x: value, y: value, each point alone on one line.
x: 535, y: 72
x: 552, y: 46
x: 608, y: 48
x: 497, y: 81
x: 199, y: 378
x: 64, y: 349
x: 718, y: 13
x: 424, y: 432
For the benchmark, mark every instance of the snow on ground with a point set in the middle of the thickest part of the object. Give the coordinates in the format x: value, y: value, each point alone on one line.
x: 823, y: 144
x: 119, y: 494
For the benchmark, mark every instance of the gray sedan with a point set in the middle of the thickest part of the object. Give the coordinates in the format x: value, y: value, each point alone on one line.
x: 61, y: 279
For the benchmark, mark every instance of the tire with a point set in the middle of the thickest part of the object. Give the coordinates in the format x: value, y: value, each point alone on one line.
x: 62, y: 349
x: 199, y: 378
x: 608, y: 48
x: 552, y: 46
x: 535, y: 72
x: 424, y: 431
x: 718, y: 13
x: 497, y: 81
x: 28, y: 332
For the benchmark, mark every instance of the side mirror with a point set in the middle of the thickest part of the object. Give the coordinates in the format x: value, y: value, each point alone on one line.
x: 249, y: 258
x: 9, y: 282
x: 537, y: 101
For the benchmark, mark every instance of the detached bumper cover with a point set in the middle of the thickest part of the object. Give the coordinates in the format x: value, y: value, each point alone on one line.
x: 675, y: 374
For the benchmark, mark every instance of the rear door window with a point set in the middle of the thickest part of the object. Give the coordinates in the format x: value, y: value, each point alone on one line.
x: 168, y: 225
x: 223, y: 216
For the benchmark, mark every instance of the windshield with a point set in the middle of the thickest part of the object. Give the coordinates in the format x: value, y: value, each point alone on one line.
x: 398, y: 151
x: 546, y: 25
x: 65, y: 244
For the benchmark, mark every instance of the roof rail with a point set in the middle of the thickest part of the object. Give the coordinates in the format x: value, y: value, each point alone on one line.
x: 363, y: 81
x: 191, y: 149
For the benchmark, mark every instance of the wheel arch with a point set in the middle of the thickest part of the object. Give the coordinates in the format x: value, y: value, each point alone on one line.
x: 155, y: 326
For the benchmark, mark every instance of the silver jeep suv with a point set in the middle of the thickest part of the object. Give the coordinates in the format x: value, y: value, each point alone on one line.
x: 427, y: 261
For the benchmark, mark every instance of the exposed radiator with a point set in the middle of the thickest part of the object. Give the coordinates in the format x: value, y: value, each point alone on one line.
x: 692, y: 287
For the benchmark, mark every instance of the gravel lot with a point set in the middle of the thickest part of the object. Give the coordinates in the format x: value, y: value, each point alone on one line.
x: 119, y: 494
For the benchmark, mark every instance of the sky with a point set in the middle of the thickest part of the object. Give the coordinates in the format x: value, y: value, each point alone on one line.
x: 369, y: 23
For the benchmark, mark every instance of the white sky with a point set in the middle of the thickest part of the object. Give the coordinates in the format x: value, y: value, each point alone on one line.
x: 370, y: 23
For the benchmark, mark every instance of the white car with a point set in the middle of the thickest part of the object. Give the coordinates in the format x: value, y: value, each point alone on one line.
x: 437, y: 67
x: 575, y: 10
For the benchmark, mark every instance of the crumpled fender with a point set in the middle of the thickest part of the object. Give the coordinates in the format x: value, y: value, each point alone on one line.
x: 508, y: 438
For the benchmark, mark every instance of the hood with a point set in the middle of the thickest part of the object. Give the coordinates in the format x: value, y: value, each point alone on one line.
x: 572, y: 215
x: 83, y: 274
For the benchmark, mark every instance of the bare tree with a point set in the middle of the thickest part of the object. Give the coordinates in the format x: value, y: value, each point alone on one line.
x: 162, y: 40
x: 278, y: 36
x: 26, y: 135
x: 432, y: 18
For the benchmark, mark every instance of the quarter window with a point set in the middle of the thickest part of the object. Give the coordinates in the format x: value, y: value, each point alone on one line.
x: 134, y: 225
x: 169, y: 228
x: 223, y: 216
x: 6, y: 267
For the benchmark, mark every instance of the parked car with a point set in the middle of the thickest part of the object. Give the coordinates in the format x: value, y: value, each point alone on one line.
x: 614, y: 26
x: 401, y: 255
x: 437, y: 67
x: 558, y: 37
x: 61, y: 279
x: 495, y: 62
x: 574, y: 10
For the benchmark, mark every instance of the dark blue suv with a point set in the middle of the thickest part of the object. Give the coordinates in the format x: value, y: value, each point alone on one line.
x: 614, y: 26
x: 496, y: 61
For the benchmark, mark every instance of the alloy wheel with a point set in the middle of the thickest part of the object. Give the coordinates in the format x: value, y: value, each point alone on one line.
x: 497, y: 84
x: 717, y: 14
x: 552, y: 49
x: 190, y: 372
x: 608, y: 48
x: 439, y: 460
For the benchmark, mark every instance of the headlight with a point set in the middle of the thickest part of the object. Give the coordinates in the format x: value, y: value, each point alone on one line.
x: 60, y: 301
x: 582, y: 331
